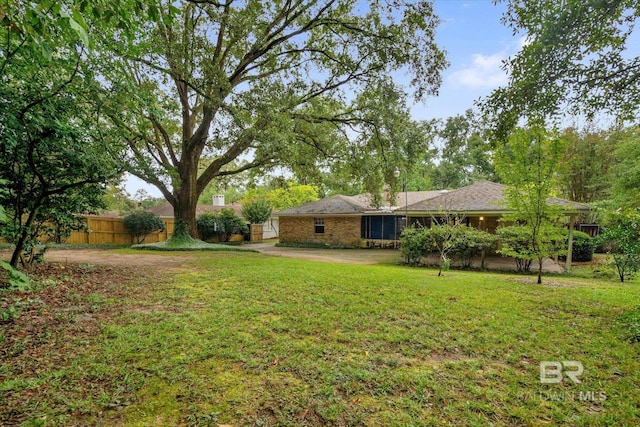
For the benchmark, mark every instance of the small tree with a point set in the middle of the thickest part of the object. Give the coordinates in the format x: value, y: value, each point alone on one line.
x: 257, y: 212
x: 443, y: 238
x: 528, y: 165
x: 621, y: 239
x: 141, y: 224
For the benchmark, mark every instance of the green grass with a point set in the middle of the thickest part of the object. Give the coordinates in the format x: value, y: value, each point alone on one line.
x: 246, y: 339
x: 189, y: 245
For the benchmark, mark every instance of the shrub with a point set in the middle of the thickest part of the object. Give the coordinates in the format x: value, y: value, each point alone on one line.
x: 141, y: 224
x: 515, y: 242
x: 208, y: 225
x: 443, y: 238
x: 583, y: 247
x: 469, y: 242
x: 222, y: 225
x: 621, y: 239
x: 257, y: 212
x: 415, y: 244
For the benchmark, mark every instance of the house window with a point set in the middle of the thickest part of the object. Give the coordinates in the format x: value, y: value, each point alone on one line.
x: 318, y: 224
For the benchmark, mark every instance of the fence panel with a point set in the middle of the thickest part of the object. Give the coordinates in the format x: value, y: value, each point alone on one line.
x: 111, y: 231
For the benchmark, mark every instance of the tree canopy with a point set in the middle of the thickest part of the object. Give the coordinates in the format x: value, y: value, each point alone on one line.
x: 52, y: 154
x: 575, y: 58
x: 293, y: 84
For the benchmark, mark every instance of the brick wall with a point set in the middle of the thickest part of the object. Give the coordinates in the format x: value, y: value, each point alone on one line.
x: 338, y: 231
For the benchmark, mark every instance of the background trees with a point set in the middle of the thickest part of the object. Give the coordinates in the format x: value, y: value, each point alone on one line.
x: 465, y: 154
x: 293, y: 84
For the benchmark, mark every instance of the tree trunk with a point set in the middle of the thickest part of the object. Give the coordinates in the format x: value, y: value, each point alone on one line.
x: 186, y: 200
x: 184, y: 214
x: 540, y: 260
x: 24, y: 236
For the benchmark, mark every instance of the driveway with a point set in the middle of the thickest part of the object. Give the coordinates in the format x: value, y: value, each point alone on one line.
x: 169, y: 260
x: 382, y: 256
x: 346, y: 256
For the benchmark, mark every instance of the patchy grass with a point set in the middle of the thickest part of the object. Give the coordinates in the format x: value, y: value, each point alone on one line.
x: 245, y: 339
x: 189, y: 245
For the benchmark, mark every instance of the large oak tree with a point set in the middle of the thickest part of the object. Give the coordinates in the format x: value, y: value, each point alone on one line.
x: 250, y: 84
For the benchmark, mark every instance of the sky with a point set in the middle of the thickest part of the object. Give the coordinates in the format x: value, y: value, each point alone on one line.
x: 476, y: 43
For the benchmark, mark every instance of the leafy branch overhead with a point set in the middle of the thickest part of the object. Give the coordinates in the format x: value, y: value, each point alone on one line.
x: 280, y: 84
x: 576, y: 58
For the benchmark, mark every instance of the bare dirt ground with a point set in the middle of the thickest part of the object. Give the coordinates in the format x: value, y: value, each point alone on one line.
x: 161, y: 260
x: 346, y: 256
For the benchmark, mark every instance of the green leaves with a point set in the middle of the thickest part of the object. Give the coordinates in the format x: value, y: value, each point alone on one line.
x: 527, y: 164
x: 79, y: 29
x: 257, y: 212
x: 621, y: 239
x: 141, y: 224
x: 577, y: 59
x: 17, y: 279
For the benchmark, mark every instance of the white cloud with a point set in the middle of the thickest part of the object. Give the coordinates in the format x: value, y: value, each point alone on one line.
x: 484, y: 72
x: 523, y: 41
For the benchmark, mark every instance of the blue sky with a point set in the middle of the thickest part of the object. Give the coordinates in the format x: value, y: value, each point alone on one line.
x: 476, y: 43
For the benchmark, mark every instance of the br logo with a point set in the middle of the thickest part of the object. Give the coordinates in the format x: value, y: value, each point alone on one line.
x: 552, y: 372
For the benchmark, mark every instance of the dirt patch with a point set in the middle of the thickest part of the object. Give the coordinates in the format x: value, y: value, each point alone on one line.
x: 548, y: 282
x: 344, y: 256
x: 41, y: 328
x: 163, y: 261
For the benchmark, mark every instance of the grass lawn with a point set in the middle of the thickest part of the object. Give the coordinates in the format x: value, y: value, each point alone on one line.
x: 246, y: 339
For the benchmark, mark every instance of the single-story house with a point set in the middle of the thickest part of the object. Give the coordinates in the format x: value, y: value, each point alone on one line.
x: 352, y: 221
x: 270, y: 228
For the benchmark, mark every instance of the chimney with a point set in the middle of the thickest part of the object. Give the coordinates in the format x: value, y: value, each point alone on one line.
x: 218, y: 200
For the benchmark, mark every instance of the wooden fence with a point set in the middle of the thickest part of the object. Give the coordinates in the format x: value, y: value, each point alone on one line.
x: 111, y: 231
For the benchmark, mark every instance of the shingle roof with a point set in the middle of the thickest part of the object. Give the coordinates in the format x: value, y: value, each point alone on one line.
x: 338, y: 205
x: 483, y: 196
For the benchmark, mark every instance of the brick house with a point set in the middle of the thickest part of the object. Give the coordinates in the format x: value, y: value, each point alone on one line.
x: 353, y: 221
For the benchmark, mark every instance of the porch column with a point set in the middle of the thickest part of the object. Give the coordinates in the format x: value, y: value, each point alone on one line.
x: 572, y: 222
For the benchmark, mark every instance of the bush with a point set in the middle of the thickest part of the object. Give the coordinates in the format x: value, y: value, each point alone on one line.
x: 583, y: 247
x: 516, y: 243
x: 208, y: 225
x: 468, y: 243
x: 257, y: 212
x: 141, y: 224
x: 415, y: 244
x: 222, y: 225
x: 621, y: 238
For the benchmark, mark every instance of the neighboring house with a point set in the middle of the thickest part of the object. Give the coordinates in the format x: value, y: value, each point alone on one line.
x: 270, y: 227
x: 353, y: 221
